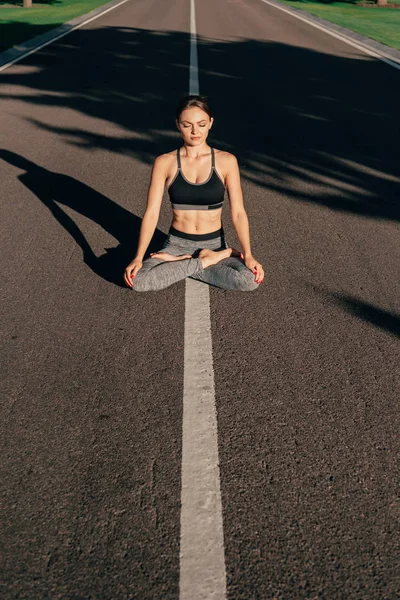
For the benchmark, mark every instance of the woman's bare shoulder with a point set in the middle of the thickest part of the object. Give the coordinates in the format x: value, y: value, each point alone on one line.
x: 227, y: 160
x: 166, y: 157
x: 164, y: 161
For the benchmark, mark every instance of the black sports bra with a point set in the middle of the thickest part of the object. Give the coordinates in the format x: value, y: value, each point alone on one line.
x: 207, y: 195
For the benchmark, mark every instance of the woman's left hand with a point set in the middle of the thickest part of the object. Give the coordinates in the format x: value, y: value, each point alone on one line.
x: 254, y: 266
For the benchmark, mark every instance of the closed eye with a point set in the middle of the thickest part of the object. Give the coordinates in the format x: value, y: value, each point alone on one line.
x: 189, y: 124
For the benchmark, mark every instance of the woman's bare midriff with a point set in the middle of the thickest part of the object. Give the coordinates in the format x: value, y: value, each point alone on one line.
x: 197, y: 221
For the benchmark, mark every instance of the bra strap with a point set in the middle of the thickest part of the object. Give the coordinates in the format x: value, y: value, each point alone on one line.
x: 212, y: 159
x: 178, y: 157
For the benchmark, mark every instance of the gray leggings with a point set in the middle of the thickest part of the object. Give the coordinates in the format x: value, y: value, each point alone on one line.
x: 230, y: 273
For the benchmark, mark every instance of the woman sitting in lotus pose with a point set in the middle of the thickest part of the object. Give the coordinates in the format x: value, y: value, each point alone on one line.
x: 196, y: 176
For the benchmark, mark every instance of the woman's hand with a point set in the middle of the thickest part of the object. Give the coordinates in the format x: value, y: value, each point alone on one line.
x: 131, y: 270
x: 254, y: 266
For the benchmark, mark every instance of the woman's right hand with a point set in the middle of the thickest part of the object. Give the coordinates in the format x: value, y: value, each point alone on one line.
x: 132, y: 270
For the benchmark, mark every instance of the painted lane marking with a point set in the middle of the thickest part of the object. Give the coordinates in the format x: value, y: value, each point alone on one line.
x: 202, y: 558
x: 194, y: 86
x: 343, y: 38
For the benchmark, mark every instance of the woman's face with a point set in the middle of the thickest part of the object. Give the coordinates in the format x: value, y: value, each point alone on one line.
x: 194, y: 125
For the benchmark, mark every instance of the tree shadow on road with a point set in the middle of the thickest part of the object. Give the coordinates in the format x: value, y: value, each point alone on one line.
x: 382, y: 319
x: 294, y: 116
x: 307, y: 126
x: 55, y: 188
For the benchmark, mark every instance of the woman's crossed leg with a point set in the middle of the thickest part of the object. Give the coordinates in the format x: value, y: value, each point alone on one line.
x: 220, y: 268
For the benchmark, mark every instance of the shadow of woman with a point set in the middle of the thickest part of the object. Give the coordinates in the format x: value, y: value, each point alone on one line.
x: 55, y: 188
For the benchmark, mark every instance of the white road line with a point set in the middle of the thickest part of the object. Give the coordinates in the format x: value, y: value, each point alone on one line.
x: 343, y: 38
x: 194, y: 64
x: 202, y: 559
x: 61, y: 35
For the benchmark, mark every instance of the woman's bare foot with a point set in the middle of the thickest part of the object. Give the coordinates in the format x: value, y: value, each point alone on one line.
x: 169, y: 257
x: 212, y: 257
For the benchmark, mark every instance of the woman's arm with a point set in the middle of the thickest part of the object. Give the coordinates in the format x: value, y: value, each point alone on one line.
x: 154, y: 199
x: 239, y: 217
x: 150, y: 218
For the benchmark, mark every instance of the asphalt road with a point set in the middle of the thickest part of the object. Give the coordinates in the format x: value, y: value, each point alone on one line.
x: 306, y: 368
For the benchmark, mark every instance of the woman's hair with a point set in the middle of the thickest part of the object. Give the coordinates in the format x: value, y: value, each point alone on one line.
x: 191, y: 102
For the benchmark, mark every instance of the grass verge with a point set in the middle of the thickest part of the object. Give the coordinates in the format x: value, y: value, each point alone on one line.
x: 380, y: 24
x: 18, y: 24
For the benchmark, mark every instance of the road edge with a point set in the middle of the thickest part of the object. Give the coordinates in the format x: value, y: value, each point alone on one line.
x: 17, y: 53
x: 371, y: 46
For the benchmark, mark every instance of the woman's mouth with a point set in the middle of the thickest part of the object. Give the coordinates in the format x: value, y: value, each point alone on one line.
x: 195, y: 137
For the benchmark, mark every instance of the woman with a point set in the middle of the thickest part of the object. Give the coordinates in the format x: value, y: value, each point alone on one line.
x: 196, y: 177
